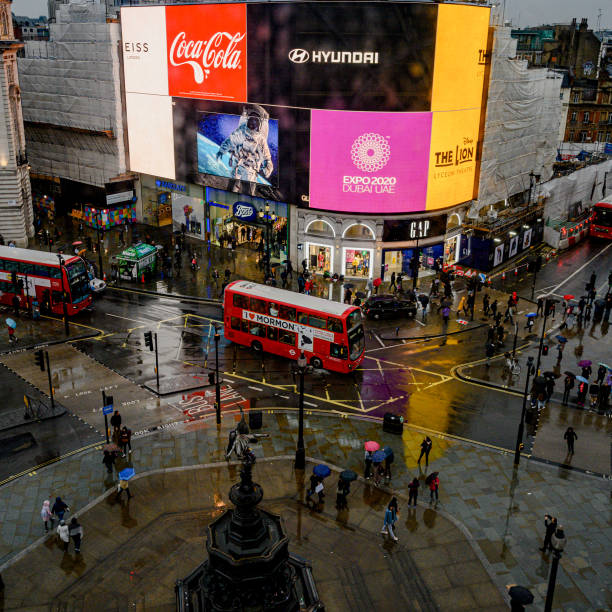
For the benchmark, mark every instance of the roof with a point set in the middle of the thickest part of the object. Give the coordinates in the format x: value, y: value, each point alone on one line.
x: 607, y: 201
x: 282, y: 295
x: 42, y: 257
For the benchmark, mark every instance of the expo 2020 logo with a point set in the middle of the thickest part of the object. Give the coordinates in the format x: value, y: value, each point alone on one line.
x: 370, y: 152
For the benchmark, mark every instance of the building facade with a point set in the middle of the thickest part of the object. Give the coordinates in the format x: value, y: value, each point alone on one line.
x: 15, y: 196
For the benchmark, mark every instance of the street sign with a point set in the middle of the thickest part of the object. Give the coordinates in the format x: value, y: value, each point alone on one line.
x: 107, y: 409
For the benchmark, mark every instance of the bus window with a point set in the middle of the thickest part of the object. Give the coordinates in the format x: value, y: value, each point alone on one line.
x: 334, y: 325
x: 337, y: 350
x: 258, y: 306
x: 353, y: 319
x: 287, y: 337
x: 235, y: 323
x: 241, y: 301
x: 272, y: 333
x: 315, y: 321
x: 273, y: 309
x: 26, y: 268
x: 258, y: 330
x: 302, y: 318
x: 286, y: 312
x: 11, y: 266
x: 244, y: 325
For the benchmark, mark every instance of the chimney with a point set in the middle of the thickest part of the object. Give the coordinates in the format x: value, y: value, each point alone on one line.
x: 583, y: 25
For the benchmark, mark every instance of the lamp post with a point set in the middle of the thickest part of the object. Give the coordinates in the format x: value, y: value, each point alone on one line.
x: 300, y: 451
x: 558, y: 542
x: 548, y: 302
x: 519, y: 435
x: 217, y: 382
x: 268, y: 219
x: 417, y: 264
x: 515, y: 338
x: 98, y: 228
x: 64, y: 294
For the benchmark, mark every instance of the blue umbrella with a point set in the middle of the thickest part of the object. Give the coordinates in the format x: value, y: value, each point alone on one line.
x: 604, y: 365
x: 320, y: 470
x: 126, y: 473
x: 378, y: 456
x: 387, y: 450
x: 11, y: 323
x: 561, y: 339
x: 531, y: 315
x: 582, y: 379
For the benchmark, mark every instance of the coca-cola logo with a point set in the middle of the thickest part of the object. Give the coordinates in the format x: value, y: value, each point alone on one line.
x: 244, y: 210
x: 218, y: 52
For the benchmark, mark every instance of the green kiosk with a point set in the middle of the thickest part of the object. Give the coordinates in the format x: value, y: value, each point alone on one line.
x: 136, y: 261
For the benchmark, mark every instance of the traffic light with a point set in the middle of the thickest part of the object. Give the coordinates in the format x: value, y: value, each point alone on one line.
x: 148, y: 338
x: 545, y: 349
x: 211, y: 378
x: 39, y: 359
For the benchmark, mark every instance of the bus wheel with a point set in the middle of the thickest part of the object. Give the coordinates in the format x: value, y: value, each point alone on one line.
x: 256, y: 346
x: 316, y: 363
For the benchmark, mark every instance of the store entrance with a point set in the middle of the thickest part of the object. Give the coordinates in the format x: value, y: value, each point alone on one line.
x: 319, y: 258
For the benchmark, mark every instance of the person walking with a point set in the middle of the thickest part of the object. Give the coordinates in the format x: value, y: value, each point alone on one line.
x: 63, y: 531
x: 367, y: 465
x: 426, y: 445
x: 314, y: 481
x: 550, y: 523
x: 434, y: 483
x: 560, y: 348
x: 592, y: 280
x: 60, y: 507
x: 486, y: 304
x: 115, y: 422
x: 570, y: 436
x: 607, y: 307
x: 392, y: 283
x: 390, y: 519
x: 413, y: 491
x: 124, y: 485
x: 540, y: 309
x: 490, y: 351
x: 344, y: 487
x: 11, y: 334
x: 125, y: 440
x: 494, y: 308
x: 462, y: 305
x: 109, y: 461
x: 568, y: 385
x: 46, y: 515
x: 445, y: 316
x: 76, y: 533
x: 601, y: 374
x: 424, y: 300
x: 587, y: 371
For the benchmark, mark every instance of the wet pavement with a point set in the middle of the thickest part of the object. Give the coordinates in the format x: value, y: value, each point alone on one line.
x: 497, y: 510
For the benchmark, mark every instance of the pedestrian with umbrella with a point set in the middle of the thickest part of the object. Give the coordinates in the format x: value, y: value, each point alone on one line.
x: 370, y: 447
x: 582, y: 389
x: 601, y: 373
x: 314, y: 481
x: 587, y: 370
x: 377, y: 282
x: 388, y: 461
x: 593, y: 394
x: 124, y: 485
x: 321, y: 472
x: 344, y: 488
x: 531, y: 317
x: 519, y: 597
x: 568, y: 385
x: 377, y: 458
x: 10, y: 328
x: 550, y: 384
x: 433, y: 482
x: 562, y: 341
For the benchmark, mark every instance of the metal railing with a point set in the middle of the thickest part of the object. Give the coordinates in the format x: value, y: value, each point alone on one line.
x: 36, y: 408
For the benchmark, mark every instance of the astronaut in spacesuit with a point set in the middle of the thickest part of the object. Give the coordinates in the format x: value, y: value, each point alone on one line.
x: 248, y: 150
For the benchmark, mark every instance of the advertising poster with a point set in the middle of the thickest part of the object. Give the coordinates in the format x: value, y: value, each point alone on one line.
x: 341, y: 55
x: 189, y: 212
x: 369, y: 162
x: 513, y: 246
x: 527, y: 239
x: 243, y: 148
x: 499, y: 255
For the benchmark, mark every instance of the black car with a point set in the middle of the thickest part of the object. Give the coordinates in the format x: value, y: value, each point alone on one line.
x: 387, y: 306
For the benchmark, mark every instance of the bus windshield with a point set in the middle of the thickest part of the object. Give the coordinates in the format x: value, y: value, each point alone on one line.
x: 353, y: 319
x: 603, y: 216
x: 356, y: 340
x: 78, y: 280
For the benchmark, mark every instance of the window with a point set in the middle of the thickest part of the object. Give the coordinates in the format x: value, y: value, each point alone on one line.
x: 241, y: 301
x: 600, y: 137
x: 574, y: 116
x: 256, y: 329
x: 583, y: 136
x: 337, y: 350
x: 286, y: 312
x: 56, y: 297
x: 571, y: 136
x: 358, y: 231
x: 353, y: 319
x: 302, y: 318
x: 287, y: 337
x: 235, y: 323
x: 602, y: 117
x: 272, y: 333
x: 11, y: 266
x: 334, y: 325
x: 259, y: 306
x: 576, y: 98
x: 26, y: 268
x: 586, y: 117
x: 320, y: 228
x: 273, y: 309
x: 244, y: 326
x: 315, y: 321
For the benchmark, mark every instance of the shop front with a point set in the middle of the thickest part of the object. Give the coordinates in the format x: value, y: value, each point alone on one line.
x: 159, y: 198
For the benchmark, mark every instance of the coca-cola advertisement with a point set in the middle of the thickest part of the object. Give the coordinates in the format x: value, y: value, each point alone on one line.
x: 207, y: 51
x: 251, y: 149
x: 372, y: 56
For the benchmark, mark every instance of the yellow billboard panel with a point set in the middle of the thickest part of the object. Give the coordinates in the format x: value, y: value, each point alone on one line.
x: 461, y: 56
x: 452, y: 157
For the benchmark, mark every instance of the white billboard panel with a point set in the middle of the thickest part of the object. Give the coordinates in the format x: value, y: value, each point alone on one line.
x: 150, y: 134
x: 144, y: 49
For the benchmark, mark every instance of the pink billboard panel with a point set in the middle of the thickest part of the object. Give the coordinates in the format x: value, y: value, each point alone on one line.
x: 364, y: 162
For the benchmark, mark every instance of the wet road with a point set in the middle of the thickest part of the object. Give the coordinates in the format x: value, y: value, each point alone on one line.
x: 412, y: 378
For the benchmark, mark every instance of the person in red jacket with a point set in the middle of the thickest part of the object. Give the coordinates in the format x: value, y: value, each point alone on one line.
x: 434, y: 482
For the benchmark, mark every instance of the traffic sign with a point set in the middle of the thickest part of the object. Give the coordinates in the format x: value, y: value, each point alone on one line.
x: 107, y: 409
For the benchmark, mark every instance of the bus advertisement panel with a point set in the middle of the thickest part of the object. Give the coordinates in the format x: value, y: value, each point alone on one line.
x: 601, y: 227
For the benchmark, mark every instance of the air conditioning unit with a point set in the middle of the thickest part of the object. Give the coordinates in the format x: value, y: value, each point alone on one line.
x: 492, y: 213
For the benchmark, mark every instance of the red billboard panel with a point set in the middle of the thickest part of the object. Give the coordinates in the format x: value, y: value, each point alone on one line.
x: 207, y: 51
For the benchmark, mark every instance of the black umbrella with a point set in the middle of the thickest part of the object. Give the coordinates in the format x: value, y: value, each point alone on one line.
x: 348, y: 285
x: 551, y: 375
x: 348, y: 475
x: 431, y: 477
x: 539, y: 380
x: 601, y: 303
x: 568, y: 373
x: 360, y: 295
x: 520, y: 595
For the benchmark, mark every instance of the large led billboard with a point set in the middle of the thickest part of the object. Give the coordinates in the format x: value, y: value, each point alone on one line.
x: 401, y: 80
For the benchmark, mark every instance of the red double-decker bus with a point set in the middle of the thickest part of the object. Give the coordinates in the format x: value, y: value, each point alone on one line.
x: 37, y: 275
x: 601, y: 226
x: 286, y: 323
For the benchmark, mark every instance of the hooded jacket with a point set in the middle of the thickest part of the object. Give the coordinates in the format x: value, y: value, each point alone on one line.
x: 45, y: 512
x: 63, y: 532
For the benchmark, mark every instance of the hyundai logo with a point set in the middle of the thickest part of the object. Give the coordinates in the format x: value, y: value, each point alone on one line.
x: 299, y: 56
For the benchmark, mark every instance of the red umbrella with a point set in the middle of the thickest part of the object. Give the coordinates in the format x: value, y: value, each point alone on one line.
x: 371, y: 446
x: 568, y: 296
x: 377, y: 282
x: 77, y: 243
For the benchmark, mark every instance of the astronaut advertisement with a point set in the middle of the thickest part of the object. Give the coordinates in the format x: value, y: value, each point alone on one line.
x: 242, y: 148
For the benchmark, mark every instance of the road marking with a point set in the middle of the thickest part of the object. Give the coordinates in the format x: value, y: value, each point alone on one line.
x: 582, y: 267
x: 311, y: 404
x: 378, y: 338
x: 255, y: 388
x: 419, y: 322
x: 283, y: 396
x: 110, y: 314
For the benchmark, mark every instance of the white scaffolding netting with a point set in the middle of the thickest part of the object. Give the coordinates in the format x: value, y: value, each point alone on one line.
x: 522, y: 123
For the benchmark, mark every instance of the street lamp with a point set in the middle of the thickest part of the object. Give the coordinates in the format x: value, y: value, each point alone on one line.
x: 558, y: 542
x: 217, y: 382
x: 98, y: 228
x: 416, y: 264
x: 548, y: 303
x: 519, y: 435
x: 300, y: 452
x: 64, y: 294
x: 268, y: 219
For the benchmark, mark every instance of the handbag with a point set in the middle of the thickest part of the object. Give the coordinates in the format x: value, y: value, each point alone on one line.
x: 319, y: 488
